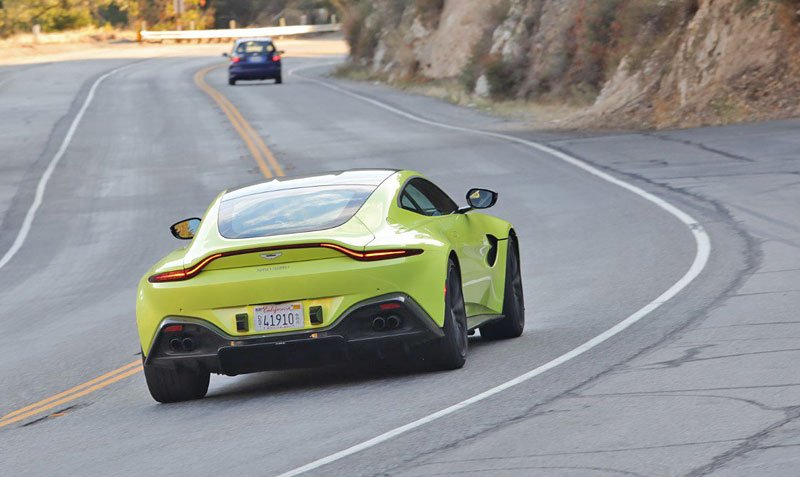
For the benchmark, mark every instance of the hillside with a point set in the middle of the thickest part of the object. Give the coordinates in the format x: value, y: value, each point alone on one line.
x: 72, y: 16
x: 625, y: 63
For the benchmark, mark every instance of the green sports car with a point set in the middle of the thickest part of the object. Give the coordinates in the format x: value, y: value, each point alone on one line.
x: 315, y: 270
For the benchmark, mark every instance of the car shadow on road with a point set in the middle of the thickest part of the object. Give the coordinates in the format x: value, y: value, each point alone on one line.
x: 255, y: 83
x: 329, y: 377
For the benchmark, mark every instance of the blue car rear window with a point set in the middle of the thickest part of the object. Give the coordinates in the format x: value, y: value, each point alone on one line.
x: 254, y: 48
x: 290, y: 211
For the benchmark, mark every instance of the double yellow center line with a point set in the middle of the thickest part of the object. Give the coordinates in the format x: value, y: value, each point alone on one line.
x: 269, y: 167
x: 72, y: 393
x: 251, y: 138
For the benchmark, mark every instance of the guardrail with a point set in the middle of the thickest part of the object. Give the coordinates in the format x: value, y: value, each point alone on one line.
x: 233, y: 33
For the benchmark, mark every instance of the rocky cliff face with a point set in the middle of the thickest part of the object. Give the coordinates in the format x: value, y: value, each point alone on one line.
x: 723, y: 65
x: 635, y: 63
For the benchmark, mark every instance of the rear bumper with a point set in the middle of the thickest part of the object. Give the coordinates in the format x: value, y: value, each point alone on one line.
x: 265, y: 71
x: 351, y: 337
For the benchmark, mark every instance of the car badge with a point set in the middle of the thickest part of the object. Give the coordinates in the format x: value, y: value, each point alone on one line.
x: 270, y: 256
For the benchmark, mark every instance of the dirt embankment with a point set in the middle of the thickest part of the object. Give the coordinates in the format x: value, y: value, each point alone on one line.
x: 622, y: 63
x: 26, y: 47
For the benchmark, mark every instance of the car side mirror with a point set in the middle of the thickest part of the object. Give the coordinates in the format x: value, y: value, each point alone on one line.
x: 225, y: 55
x: 281, y: 52
x: 479, y: 199
x: 185, y: 229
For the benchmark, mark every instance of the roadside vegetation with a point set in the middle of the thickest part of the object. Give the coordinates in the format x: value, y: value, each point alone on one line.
x: 20, y: 16
x: 598, y: 34
x: 626, y: 63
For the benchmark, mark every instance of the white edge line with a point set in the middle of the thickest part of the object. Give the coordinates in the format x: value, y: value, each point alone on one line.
x: 702, y: 253
x: 42, y: 185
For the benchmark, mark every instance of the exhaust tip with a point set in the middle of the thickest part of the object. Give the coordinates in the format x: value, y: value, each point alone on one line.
x: 175, y: 344
x: 378, y: 323
x: 188, y: 344
x: 393, y: 322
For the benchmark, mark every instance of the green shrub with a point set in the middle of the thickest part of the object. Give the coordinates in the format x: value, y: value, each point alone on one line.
x: 504, y: 77
x: 479, y: 57
x: 744, y: 6
x: 641, y: 25
x: 59, y: 19
x: 361, y: 39
x: 474, y: 66
x: 469, y: 75
x: 429, y: 11
x: 113, y: 14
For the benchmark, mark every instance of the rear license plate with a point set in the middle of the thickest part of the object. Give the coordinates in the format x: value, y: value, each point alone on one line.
x: 278, y: 316
x: 256, y: 59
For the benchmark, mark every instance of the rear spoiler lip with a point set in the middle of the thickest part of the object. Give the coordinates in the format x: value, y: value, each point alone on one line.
x: 363, y: 256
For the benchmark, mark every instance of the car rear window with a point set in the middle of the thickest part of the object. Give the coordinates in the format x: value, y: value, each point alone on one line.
x: 290, y: 211
x: 254, y: 48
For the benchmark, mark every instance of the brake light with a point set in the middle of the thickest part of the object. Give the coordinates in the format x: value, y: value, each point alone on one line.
x: 168, y: 277
x: 373, y: 255
x: 276, y: 57
x: 236, y: 59
x: 179, y: 275
x: 173, y: 328
x: 390, y: 306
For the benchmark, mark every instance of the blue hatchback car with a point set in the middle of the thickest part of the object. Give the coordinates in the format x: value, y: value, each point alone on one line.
x: 254, y: 59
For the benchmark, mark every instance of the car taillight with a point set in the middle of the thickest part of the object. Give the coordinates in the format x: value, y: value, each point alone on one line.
x: 236, y: 59
x: 168, y: 277
x: 373, y: 255
x: 179, y: 275
x: 276, y: 58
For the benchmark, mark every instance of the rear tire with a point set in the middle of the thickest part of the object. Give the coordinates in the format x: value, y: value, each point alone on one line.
x: 513, y: 321
x: 279, y: 79
x: 231, y: 81
x: 176, y: 384
x: 450, y: 351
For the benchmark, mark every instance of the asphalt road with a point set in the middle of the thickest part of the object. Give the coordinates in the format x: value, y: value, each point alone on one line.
x: 706, y: 383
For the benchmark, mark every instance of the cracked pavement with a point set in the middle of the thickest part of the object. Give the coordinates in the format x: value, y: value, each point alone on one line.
x: 719, y: 397
x: 704, y: 385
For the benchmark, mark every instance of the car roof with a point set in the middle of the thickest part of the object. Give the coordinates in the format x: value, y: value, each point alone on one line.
x: 368, y: 177
x: 255, y: 38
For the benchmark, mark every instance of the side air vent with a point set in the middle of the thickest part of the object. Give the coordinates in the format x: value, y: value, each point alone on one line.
x: 491, y: 256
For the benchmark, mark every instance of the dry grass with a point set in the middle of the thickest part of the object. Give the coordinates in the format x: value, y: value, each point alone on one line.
x: 25, y: 48
x: 322, y: 45
x: 553, y: 114
x: 83, y: 35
